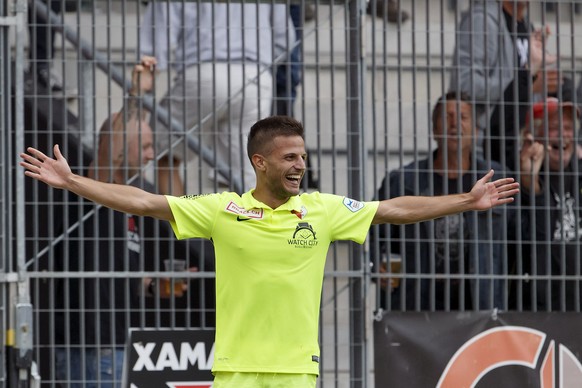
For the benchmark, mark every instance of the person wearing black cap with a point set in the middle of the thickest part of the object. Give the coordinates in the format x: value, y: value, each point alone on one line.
x: 551, y: 183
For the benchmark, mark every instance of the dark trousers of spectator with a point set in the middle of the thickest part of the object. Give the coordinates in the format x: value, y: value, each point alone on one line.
x: 288, y: 75
x: 41, y: 36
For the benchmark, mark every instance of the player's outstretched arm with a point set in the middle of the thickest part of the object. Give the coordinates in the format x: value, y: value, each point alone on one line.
x: 57, y: 173
x: 410, y: 209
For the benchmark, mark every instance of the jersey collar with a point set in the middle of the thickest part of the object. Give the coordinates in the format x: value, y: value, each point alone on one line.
x: 250, y: 202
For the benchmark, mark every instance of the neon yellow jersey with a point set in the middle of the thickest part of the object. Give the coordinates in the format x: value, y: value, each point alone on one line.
x: 269, y: 272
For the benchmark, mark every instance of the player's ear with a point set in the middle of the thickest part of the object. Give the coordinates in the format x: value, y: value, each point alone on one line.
x: 258, y: 162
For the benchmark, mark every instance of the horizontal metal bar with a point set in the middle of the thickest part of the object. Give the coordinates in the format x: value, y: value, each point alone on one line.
x: 7, y: 20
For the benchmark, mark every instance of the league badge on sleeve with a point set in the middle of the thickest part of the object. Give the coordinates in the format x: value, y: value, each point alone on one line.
x: 353, y: 205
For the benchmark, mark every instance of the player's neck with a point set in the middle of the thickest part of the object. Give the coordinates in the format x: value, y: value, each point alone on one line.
x: 268, y: 198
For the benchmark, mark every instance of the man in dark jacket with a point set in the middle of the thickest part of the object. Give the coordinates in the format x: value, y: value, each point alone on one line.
x: 449, y: 247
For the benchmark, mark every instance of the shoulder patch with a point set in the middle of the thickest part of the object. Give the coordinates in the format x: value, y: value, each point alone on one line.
x: 352, y: 204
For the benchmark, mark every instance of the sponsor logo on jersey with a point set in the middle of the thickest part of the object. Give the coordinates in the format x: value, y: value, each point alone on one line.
x: 353, y: 205
x: 303, y: 236
x: 240, y: 211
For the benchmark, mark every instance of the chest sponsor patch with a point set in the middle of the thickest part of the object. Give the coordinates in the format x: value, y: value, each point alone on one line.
x: 250, y: 213
x: 303, y: 236
x: 353, y: 205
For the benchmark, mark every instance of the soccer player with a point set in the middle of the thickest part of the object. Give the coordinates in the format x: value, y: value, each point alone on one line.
x: 270, y: 244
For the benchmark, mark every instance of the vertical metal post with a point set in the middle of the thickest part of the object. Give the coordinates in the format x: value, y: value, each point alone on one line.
x: 23, y: 308
x: 5, y: 253
x: 20, y: 14
x: 355, y: 95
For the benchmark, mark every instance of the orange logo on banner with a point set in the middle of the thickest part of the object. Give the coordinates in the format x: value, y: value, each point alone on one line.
x: 509, y: 345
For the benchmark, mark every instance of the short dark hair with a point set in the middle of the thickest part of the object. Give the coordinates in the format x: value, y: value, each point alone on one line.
x: 450, y: 96
x: 269, y: 128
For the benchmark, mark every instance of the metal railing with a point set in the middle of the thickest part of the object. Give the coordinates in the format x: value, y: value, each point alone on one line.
x: 366, y: 100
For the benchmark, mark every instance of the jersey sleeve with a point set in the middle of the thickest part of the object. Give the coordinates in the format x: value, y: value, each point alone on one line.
x: 350, y: 219
x: 194, y: 216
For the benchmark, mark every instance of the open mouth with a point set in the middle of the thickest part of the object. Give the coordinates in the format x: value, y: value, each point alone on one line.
x: 559, y: 146
x: 296, y: 178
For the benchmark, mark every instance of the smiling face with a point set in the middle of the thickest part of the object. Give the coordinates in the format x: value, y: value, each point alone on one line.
x: 280, y: 169
x: 560, y: 143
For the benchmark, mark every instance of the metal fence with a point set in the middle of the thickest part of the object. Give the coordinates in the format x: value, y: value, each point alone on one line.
x: 367, y: 90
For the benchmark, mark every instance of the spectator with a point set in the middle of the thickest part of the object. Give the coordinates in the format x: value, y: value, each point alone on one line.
x: 223, y: 56
x: 453, y: 245
x: 41, y: 50
x: 271, y: 244
x: 551, y: 182
x: 289, y: 74
x: 288, y: 77
x: 95, y: 312
x: 496, y: 55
